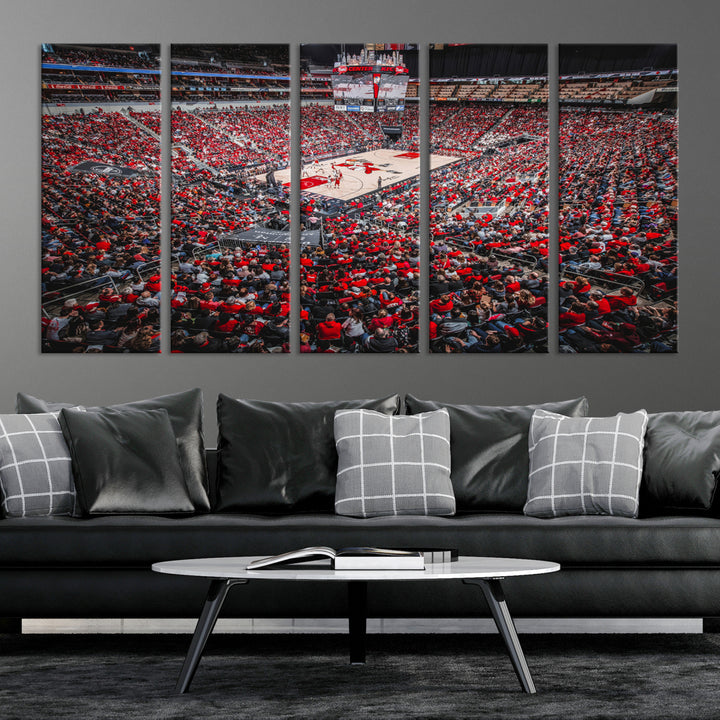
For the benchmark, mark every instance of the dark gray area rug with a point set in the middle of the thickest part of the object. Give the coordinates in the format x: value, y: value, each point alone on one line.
x: 406, y: 676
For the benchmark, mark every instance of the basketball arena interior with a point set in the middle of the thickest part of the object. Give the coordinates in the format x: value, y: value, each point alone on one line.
x: 361, y: 281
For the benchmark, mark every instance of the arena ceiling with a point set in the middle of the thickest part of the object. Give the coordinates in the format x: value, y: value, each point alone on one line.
x: 464, y: 61
x: 616, y: 58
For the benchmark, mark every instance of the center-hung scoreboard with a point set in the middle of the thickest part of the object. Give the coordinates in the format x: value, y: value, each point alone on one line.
x: 369, y: 88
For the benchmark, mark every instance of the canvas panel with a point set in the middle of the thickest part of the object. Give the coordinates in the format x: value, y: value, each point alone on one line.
x: 360, y: 183
x: 100, y: 198
x: 230, y: 211
x: 488, y: 198
x: 618, y: 198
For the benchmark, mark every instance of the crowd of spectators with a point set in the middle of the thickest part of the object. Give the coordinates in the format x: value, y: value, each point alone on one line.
x: 100, y: 228
x: 99, y: 56
x: 229, y: 296
x: 229, y: 299
x: 529, y: 121
x: 488, y: 219
x: 618, y: 217
x: 618, y: 231
x: 207, y: 144
x: 359, y: 292
x: 327, y: 133
x: 262, y: 130
x: 359, y: 288
x: 234, y: 296
x: 371, y: 125
x: 245, y: 59
x: 221, y: 70
x: 86, y: 83
x: 149, y: 118
x: 64, y: 87
x: 100, y: 237
x: 459, y: 129
x: 195, y: 88
x: 235, y: 73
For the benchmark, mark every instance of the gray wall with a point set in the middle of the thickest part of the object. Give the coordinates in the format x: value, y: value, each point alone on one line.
x: 688, y: 380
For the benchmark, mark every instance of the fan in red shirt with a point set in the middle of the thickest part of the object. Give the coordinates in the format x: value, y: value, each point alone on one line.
x: 329, y: 329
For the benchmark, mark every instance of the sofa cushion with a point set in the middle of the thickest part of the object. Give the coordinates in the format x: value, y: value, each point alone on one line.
x: 185, y: 412
x: 393, y: 465
x: 276, y: 457
x: 125, y: 462
x: 137, y: 541
x: 35, y: 470
x: 489, y: 449
x: 585, y: 466
x: 682, y: 461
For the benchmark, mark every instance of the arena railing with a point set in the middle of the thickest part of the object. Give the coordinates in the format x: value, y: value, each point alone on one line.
x: 530, y: 260
x: 605, y: 278
x: 205, y: 250
x: 523, y: 258
x: 85, y: 291
x: 147, y: 269
x: 221, y: 244
x: 201, y: 252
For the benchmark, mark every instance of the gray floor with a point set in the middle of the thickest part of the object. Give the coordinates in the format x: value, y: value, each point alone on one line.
x: 131, y: 677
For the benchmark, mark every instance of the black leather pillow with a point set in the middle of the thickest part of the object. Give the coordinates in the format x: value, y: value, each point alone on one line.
x: 682, y: 461
x: 125, y: 462
x: 489, y: 450
x: 276, y: 457
x: 185, y: 410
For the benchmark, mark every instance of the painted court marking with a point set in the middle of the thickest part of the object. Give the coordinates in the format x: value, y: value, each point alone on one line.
x: 360, y: 172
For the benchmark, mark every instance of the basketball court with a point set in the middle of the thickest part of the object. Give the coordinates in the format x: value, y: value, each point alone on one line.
x: 360, y: 172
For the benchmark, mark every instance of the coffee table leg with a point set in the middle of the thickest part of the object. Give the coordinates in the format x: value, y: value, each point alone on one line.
x: 495, y: 597
x: 357, y: 620
x: 205, y: 624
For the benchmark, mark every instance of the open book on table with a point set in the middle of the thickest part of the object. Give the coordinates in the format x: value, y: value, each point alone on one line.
x: 351, y: 558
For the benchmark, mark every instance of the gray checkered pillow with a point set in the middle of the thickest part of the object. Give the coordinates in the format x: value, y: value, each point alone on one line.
x: 585, y: 465
x: 35, y: 468
x: 393, y: 464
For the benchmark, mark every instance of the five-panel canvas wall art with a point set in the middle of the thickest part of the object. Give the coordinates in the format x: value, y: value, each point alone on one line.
x: 369, y: 278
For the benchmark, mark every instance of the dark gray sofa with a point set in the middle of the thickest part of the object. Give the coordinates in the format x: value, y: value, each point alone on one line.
x: 666, y: 566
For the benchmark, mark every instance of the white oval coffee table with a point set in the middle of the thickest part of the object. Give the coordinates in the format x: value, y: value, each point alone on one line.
x: 485, y: 572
